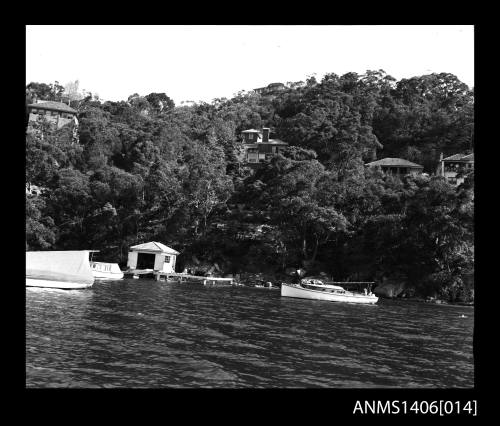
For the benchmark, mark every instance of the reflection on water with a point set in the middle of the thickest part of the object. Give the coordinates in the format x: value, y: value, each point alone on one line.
x: 143, y: 333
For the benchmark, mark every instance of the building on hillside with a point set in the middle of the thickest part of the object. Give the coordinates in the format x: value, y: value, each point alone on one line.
x: 259, y: 147
x: 152, y: 256
x: 270, y: 89
x: 397, y: 166
x: 56, y: 113
x: 33, y: 189
x: 453, y: 167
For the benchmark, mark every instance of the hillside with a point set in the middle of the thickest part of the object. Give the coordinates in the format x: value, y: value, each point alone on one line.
x: 147, y: 170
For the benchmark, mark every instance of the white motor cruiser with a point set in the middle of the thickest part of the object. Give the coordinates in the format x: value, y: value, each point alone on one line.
x: 105, y: 270
x: 317, y: 290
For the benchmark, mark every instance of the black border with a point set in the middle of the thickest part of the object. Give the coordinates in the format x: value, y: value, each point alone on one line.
x: 244, y: 404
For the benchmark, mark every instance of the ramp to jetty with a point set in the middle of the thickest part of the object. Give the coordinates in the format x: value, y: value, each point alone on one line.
x: 179, y: 277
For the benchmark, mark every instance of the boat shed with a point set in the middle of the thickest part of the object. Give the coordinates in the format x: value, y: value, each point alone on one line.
x: 152, y: 256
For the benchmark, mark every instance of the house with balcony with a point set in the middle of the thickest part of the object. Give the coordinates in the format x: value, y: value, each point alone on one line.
x: 452, y: 168
x: 259, y: 147
x: 397, y: 166
x: 56, y: 113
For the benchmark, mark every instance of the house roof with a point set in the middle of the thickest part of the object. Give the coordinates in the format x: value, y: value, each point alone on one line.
x: 395, y: 162
x: 460, y: 157
x: 251, y: 131
x: 154, y: 246
x: 53, y: 106
x: 269, y: 142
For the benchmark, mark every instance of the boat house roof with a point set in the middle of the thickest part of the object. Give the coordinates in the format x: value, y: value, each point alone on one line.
x: 395, y: 162
x: 154, y: 247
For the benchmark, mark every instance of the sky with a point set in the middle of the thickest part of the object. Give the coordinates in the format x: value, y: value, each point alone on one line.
x: 204, y: 62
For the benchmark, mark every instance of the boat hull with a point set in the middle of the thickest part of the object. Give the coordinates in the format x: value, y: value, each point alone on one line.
x: 107, y: 276
x: 37, y: 282
x: 288, y: 290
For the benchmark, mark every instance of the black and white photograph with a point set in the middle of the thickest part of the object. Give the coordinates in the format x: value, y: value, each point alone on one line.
x: 251, y: 207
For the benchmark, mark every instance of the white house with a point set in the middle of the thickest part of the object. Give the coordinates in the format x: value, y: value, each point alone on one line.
x: 453, y: 168
x: 56, y: 113
x: 152, y: 256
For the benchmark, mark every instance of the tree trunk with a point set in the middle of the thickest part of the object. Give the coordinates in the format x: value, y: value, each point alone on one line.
x: 304, y: 244
x: 315, y: 250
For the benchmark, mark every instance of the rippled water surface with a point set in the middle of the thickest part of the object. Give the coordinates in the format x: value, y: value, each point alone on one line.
x: 143, y: 333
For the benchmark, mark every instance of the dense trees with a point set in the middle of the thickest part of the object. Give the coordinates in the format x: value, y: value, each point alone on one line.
x: 144, y: 169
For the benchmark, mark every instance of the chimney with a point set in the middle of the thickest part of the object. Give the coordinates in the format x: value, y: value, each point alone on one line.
x: 265, y: 134
x: 441, y: 164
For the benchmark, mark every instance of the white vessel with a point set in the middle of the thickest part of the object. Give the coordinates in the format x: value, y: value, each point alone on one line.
x: 59, y: 269
x: 106, y: 271
x: 316, y: 290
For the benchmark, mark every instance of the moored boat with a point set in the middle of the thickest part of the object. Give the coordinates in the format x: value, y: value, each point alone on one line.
x: 106, y: 271
x: 59, y: 269
x: 317, y: 290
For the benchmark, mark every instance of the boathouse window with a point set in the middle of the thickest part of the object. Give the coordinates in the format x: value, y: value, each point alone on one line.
x: 167, y: 259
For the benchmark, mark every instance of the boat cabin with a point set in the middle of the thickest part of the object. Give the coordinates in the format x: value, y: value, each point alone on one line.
x: 323, y: 287
x: 152, y: 256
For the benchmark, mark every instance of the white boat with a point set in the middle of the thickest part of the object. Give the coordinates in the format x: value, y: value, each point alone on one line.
x: 106, y: 271
x: 59, y: 269
x: 316, y: 290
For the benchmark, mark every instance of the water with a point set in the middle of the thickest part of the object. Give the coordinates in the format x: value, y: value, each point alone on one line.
x: 143, y: 333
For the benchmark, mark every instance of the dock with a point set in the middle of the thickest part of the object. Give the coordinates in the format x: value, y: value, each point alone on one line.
x: 179, y: 277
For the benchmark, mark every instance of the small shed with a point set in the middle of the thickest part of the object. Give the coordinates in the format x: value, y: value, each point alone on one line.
x: 152, y: 256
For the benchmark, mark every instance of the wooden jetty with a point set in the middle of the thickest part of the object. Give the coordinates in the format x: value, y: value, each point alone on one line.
x: 179, y: 277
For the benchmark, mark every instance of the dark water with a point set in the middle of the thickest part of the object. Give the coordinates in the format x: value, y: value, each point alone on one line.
x: 143, y: 333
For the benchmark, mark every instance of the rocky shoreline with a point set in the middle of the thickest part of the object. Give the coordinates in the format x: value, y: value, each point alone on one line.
x: 388, y: 288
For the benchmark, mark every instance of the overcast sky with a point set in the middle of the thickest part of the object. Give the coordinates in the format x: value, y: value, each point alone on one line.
x: 200, y: 63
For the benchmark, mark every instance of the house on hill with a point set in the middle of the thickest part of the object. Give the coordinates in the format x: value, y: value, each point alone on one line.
x: 397, y: 166
x: 56, y: 113
x: 259, y: 147
x: 152, y: 256
x: 452, y: 167
x: 270, y: 89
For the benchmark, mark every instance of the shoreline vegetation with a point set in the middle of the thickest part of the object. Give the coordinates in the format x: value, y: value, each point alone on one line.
x: 144, y: 169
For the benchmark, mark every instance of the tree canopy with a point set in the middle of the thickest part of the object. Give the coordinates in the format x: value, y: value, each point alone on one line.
x: 145, y: 169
